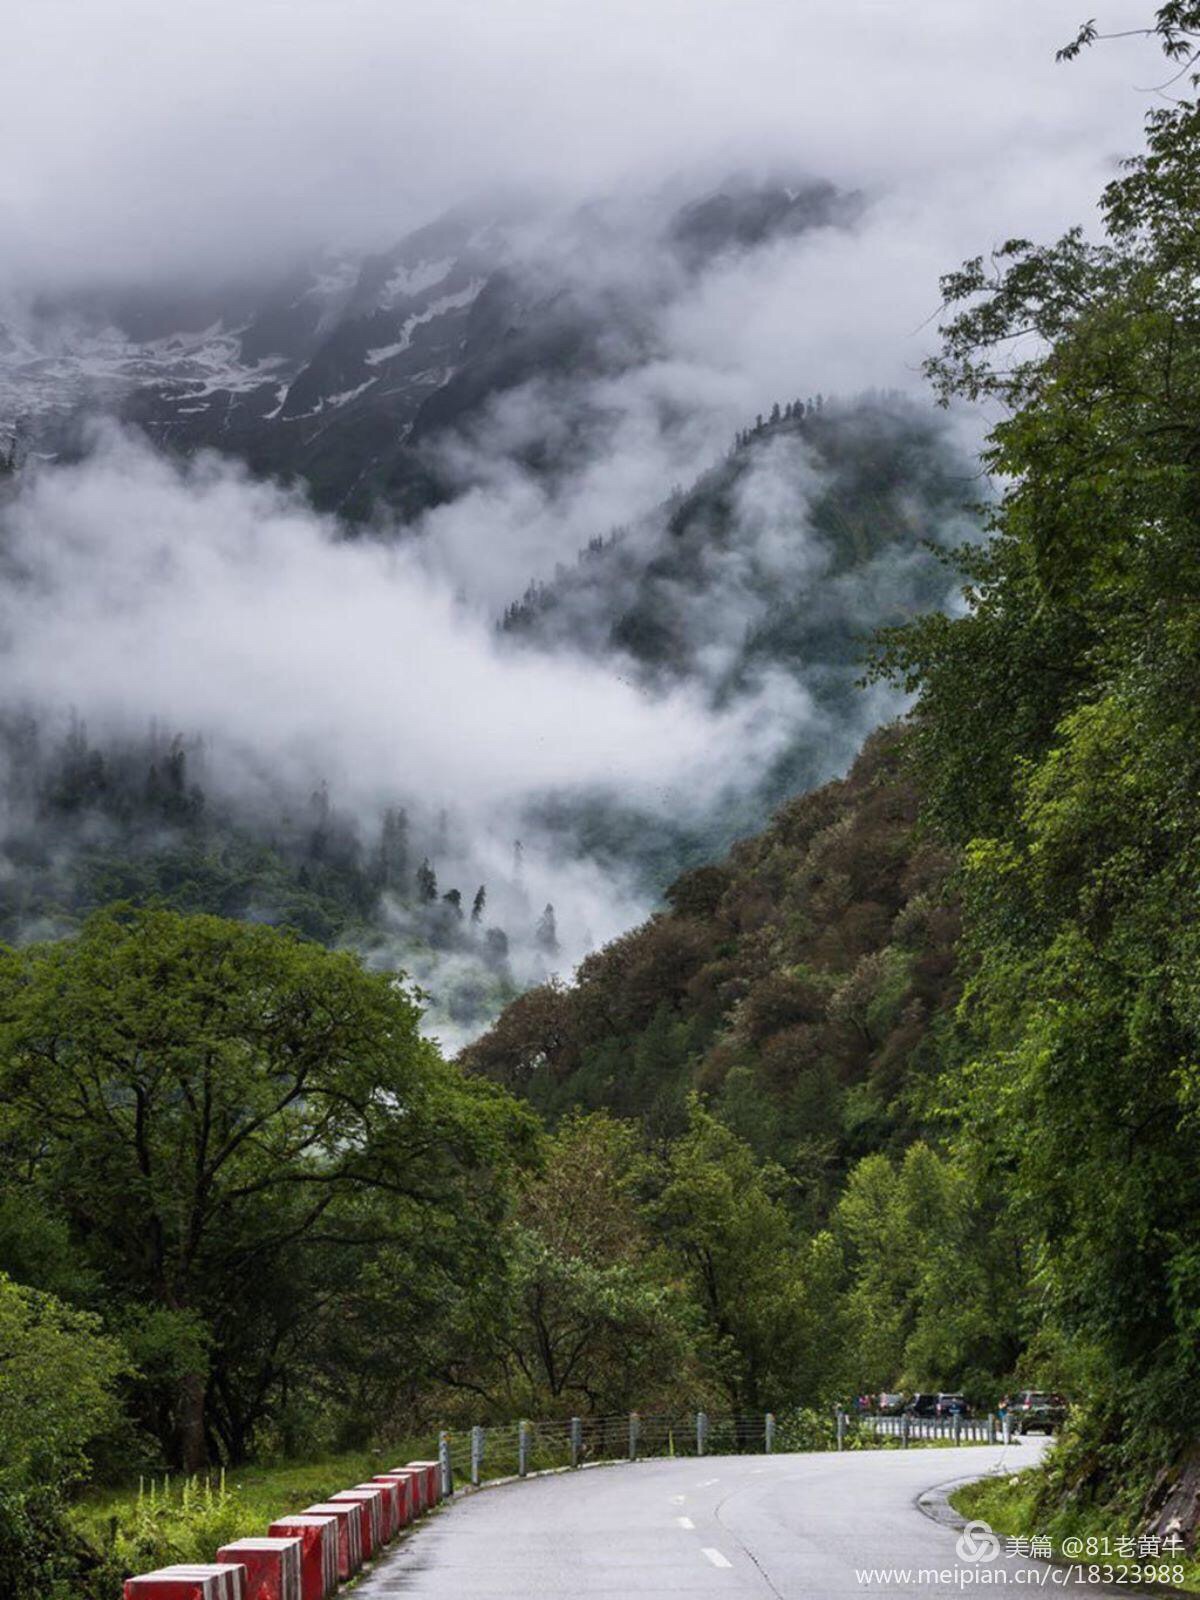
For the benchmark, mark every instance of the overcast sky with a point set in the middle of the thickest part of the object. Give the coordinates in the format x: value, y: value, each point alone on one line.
x: 142, y: 136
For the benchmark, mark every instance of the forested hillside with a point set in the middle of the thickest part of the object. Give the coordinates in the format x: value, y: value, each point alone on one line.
x: 799, y: 985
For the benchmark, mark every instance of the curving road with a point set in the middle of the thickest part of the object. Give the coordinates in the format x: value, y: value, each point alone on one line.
x: 775, y: 1528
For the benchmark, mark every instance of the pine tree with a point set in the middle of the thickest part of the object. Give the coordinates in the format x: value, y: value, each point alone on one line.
x: 427, y: 889
x: 478, y: 904
x: 546, y: 933
x: 393, y: 849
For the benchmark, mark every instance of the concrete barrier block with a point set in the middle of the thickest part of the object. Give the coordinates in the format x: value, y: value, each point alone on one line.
x: 370, y: 1501
x: 349, y: 1542
x: 388, y: 1511
x: 393, y: 1509
x: 190, y: 1581
x: 318, y: 1538
x: 416, y: 1477
x: 433, y: 1480
x: 272, y: 1567
x: 168, y: 1586
x: 405, y: 1485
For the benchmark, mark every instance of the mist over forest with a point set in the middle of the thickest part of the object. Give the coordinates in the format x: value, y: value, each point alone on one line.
x: 443, y: 492
x: 478, y: 607
x: 541, y: 528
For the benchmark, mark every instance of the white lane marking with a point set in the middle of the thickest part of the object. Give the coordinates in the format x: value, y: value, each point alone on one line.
x: 685, y: 1522
x: 678, y: 1499
x: 717, y: 1559
x: 708, y: 1483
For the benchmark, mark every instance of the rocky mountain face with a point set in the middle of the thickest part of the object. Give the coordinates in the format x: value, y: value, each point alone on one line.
x: 340, y: 372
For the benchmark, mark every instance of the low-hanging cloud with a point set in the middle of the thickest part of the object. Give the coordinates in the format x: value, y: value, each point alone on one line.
x: 157, y: 140
x: 145, y: 592
x: 193, y: 594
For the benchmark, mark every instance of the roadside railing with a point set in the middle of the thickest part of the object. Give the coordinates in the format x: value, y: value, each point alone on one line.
x: 962, y: 1430
x: 309, y: 1555
x: 478, y: 1454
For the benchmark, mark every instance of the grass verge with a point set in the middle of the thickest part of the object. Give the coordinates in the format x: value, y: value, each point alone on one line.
x: 1013, y: 1505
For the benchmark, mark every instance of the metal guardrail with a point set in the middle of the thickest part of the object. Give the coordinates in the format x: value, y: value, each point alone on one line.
x: 518, y: 1448
x: 962, y: 1430
x: 478, y: 1454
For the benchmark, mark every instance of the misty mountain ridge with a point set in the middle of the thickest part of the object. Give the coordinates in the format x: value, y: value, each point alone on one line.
x: 753, y: 591
x: 429, y: 390
x: 342, y: 370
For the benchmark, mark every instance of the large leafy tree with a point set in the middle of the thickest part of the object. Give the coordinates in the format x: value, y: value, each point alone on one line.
x: 1057, y: 733
x: 595, y: 1320
x: 765, y: 1294
x: 231, y: 1124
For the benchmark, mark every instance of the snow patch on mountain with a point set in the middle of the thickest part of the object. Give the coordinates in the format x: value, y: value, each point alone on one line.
x: 436, y: 308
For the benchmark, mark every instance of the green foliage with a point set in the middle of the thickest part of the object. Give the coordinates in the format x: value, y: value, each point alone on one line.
x: 234, y: 1126
x: 594, y: 1323
x: 766, y: 1295
x: 58, y: 1375
x: 58, y: 1383
x: 1057, y: 738
x: 934, y: 1290
x: 798, y: 985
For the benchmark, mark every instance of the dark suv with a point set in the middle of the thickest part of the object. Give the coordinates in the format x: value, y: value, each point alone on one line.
x: 1037, y: 1408
x: 922, y: 1405
x: 952, y: 1405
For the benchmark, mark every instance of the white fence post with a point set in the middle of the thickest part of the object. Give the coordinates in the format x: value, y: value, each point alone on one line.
x: 769, y: 1432
x: 634, y: 1430
x: 841, y: 1428
x: 446, y: 1469
x: 476, y: 1454
x: 576, y: 1440
x: 522, y: 1448
x: 701, y: 1432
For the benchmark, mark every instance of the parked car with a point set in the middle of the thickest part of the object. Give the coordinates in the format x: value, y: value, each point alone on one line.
x: 922, y: 1405
x: 890, y: 1405
x: 952, y: 1405
x: 1037, y: 1409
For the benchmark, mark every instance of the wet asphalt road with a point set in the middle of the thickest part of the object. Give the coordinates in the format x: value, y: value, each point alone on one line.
x: 775, y: 1528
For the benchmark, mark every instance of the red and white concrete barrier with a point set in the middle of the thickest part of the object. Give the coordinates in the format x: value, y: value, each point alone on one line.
x: 433, y: 1480
x: 216, y: 1581
x: 370, y: 1504
x: 402, y: 1485
x: 349, y: 1540
x: 272, y: 1567
x: 393, y: 1505
x: 389, y: 1518
x: 418, y: 1483
x: 305, y: 1555
x: 318, y: 1538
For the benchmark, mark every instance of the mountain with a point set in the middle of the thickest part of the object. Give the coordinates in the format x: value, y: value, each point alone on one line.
x: 752, y: 593
x: 761, y: 585
x: 341, y: 372
x: 749, y: 594
x: 797, y: 983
